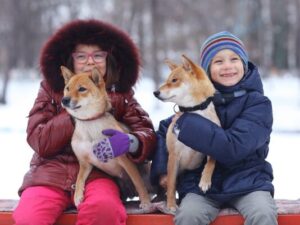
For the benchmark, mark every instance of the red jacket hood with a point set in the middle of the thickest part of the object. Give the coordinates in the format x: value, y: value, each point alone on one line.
x: 58, y: 48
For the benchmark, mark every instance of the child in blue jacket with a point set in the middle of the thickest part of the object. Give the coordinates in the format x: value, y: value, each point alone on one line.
x: 242, y: 178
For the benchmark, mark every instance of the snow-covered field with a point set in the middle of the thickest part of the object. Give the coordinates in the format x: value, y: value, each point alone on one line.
x: 15, y: 153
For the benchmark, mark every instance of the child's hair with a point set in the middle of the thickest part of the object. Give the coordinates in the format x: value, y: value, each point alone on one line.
x: 220, y: 41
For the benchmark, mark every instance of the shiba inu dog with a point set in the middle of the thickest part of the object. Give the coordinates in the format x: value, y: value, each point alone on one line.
x: 189, y: 87
x: 86, y: 99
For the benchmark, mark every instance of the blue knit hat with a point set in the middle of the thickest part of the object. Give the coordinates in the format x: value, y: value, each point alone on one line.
x: 220, y: 41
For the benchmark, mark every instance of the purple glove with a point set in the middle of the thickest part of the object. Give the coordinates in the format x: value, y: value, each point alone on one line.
x: 117, y: 143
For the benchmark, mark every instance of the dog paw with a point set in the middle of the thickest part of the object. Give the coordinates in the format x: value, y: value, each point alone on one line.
x: 171, y: 208
x: 147, y: 207
x: 78, y: 199
x: 204, y: 185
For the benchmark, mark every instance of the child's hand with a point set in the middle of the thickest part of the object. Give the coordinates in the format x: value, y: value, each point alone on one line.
x: 117, y: 143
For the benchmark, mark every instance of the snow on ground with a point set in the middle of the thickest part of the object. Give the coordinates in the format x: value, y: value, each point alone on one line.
x: 15, y: 154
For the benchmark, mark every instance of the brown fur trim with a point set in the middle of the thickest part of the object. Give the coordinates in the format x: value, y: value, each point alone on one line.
x: 59, y: 47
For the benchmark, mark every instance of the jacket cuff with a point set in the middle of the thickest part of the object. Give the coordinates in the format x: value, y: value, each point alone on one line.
x: 133, y: 144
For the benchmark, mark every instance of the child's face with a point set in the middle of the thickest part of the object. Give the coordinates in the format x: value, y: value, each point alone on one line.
x: 226, y: 68
x: 86, y: 57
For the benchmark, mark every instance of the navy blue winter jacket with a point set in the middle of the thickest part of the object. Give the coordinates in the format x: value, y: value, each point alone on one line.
x: 240, y: 147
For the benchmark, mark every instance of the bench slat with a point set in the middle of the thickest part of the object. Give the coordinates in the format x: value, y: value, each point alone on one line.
x: 289, y: 214
x: 161, y: 219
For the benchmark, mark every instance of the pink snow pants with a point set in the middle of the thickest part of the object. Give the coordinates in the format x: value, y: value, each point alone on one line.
x: 42, y: 205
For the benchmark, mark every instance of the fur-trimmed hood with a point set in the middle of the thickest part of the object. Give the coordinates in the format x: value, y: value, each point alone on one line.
x: 58, y: 48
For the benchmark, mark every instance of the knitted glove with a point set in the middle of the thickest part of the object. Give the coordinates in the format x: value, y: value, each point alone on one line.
x: 117, y: 143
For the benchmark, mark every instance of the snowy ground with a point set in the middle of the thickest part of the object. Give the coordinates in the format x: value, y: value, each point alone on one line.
x: 15, y: 154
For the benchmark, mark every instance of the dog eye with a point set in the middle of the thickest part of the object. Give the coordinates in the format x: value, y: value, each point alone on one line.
x: 82, y: 89
x: 174, y: 80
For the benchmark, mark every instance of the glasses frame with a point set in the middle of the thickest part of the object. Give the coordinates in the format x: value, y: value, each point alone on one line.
x: 88, y: 55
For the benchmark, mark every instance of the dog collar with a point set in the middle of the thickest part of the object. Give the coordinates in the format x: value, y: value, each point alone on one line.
x: 201, y: 106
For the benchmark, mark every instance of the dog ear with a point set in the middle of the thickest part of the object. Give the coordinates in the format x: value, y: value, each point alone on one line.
x: 189, y: 65
x: 170, y: 64
x: 66, y: 73
x: 97, y: 77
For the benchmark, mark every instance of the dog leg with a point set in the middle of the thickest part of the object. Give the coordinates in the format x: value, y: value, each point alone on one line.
x: 84, y: 170
x: 137, y: 180
x: 205, y: 182
x: 173, y: 164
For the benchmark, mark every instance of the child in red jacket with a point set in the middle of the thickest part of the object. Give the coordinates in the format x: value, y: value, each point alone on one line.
x: 48, y: 186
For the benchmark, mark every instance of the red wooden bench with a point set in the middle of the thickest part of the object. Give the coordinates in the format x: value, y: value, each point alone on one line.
x: 289, y: 214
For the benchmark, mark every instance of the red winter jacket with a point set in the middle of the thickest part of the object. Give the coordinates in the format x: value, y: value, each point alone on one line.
x: 50, y: 127
x: 50, y: 130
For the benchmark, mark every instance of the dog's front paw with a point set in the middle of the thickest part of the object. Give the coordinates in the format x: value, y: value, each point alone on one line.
x: 147, y: 207
x: 172, y: 208
x: 205, y: 184
x: 78, y: 198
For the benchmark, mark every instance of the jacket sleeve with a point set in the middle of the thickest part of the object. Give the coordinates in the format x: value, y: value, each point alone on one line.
x: 140, y: 125
x: 248, y: 133
x: 160, y: 157
x: 48, y: 129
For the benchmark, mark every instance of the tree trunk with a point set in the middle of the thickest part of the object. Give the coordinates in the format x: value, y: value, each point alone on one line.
x: 266, y: 36
x: 3, y: 99
x: 292, y: 35
x: 154, y: 45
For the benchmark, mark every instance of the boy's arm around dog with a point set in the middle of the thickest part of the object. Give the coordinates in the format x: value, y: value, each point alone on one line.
x: 239, y: 136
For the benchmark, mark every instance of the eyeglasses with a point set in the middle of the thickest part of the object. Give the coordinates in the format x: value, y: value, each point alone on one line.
x: 82, y: 57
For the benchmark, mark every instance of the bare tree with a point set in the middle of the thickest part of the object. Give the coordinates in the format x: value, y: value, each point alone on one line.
x: 292, y: 19
x: 161, y: 29
x: 22, y: 34
x: 4, y: 36
x: 266, y: 36
x: 155, y: 25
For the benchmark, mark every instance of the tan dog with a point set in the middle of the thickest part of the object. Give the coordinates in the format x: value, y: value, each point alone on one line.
x: 86, y: 99
x: 188, y: 86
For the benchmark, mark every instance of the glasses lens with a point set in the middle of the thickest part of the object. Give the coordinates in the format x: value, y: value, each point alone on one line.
x: 80, y: 57
x: 99, y: 56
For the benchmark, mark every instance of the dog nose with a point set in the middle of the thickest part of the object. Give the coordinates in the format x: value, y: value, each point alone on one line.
x: 156, y: 93
x: 66, y: 101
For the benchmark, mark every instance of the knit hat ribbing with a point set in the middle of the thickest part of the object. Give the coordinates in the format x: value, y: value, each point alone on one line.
x: 220, y: 41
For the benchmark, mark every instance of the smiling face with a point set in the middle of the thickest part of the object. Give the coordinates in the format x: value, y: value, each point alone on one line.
x: 226, y: 68
x: 91, y: 51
